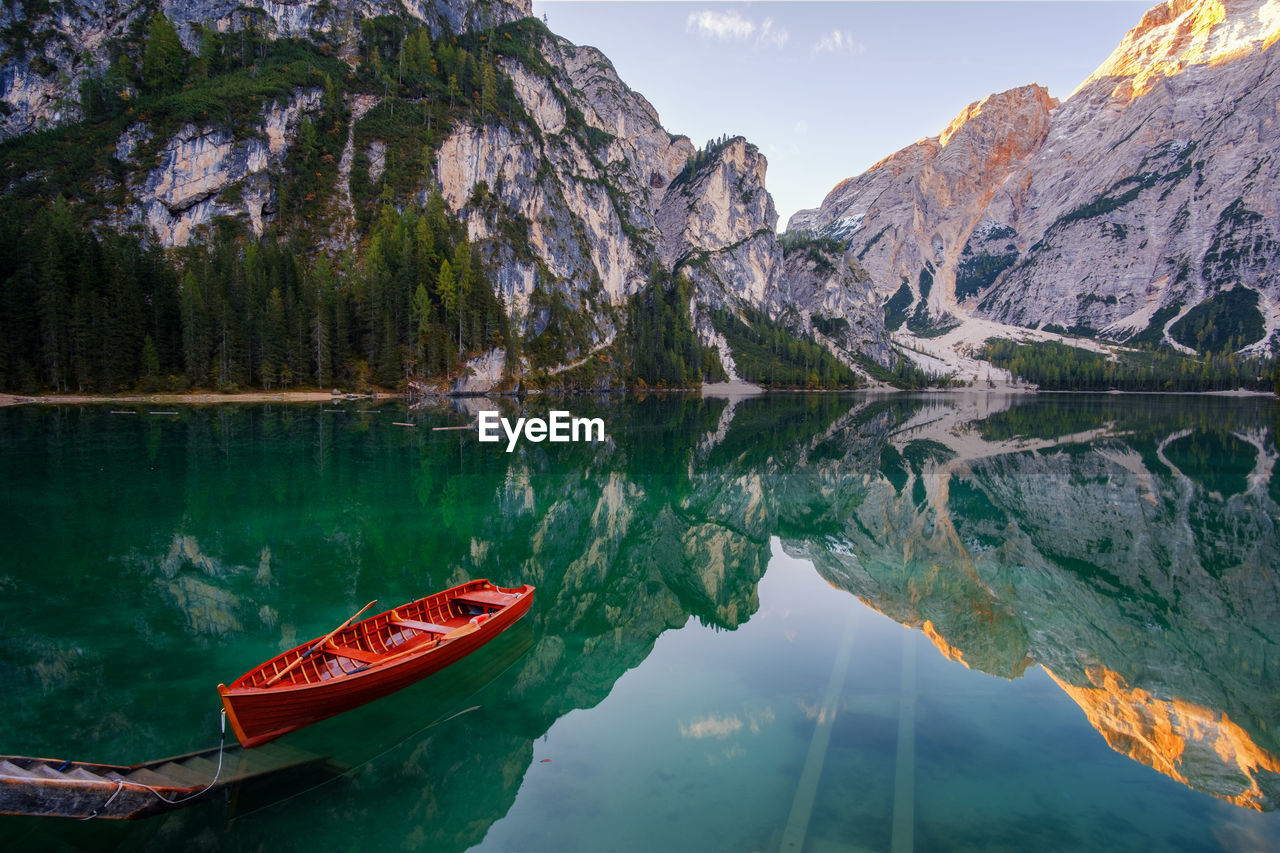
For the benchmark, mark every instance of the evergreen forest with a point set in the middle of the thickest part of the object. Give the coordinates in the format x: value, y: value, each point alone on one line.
x: 1060, y: 367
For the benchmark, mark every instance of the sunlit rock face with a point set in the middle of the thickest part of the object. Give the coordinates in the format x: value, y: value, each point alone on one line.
x: 590, y: 211
x: 1150, y: 190
x: 597, y: 186
x: 1178, y: 34
x: 916, y: 210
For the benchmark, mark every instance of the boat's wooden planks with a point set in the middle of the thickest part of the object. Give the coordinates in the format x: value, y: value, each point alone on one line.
x: 428, y: 627
x: 354, y: 654
x: 487, y: 598
x: 186, y: 775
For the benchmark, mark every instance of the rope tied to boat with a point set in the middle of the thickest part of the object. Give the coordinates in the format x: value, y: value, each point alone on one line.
x: 120, y: 783
x: 95, y: 812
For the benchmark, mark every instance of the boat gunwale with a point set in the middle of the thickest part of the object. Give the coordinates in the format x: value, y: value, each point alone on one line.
x: 103, y: 783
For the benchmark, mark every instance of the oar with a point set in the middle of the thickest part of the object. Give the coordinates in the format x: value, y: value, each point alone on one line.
x: 318, y: 645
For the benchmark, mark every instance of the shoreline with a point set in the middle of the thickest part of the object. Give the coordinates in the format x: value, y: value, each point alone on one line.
x: 211, y: 398
x: 715, y: 390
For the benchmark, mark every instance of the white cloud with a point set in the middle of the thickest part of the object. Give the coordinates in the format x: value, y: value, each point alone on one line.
x: 719, y: 25
x: 730, y: 26
x: 838, y: 41
x: 771, y: 35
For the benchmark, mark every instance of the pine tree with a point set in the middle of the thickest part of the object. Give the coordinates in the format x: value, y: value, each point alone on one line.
x: 273, y: 347
x: 464, y: 280
x: 420, y: 312
x: 195, y: 342
x: 150, y: 365
x: 489, y: 90
x: 447, y: 290
x: 455, y: 91
x: 164, y: 62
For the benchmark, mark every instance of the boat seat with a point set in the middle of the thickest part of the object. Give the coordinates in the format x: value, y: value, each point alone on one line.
x: 487, y: 598
x: 354, y: 654
x: 421, y: 626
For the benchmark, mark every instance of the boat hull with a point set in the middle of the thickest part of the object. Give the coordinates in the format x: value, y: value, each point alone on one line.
x: 261, y: 714
x: 83, y: 799
x: 54, y: 787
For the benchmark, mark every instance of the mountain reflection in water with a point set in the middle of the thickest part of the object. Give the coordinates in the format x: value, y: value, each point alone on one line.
x: 1127, y: 545
x: 1058, y: 532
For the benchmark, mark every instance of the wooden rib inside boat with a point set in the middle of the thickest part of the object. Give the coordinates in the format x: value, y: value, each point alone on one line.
x: 368, y: 659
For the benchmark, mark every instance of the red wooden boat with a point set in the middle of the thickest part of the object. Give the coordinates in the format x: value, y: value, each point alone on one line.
x: 365, y: 660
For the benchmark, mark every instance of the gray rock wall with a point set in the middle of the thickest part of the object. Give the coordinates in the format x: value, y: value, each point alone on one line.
x: 1151, y: 189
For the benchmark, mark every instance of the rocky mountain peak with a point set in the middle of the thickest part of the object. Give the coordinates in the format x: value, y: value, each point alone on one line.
x: 1018, y: 116
x: 1088, y: 216
x: 718, y: 222
x: 908, y: 218
x: 1179, y: 34
x: 727, y: 197
x: 977, y: 146
x: 312, y: 18
x: 986, y: 139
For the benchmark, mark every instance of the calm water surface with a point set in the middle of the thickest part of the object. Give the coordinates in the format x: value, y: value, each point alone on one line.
x: 798, y: 623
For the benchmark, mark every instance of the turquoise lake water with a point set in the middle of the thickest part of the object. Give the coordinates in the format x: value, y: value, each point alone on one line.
x: 791, y: 622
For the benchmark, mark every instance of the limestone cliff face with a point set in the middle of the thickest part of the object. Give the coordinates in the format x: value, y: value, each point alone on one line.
x: 1150, y: 190
x: 48, y: 53
x: 38, y: 80
x: 1154, y: 192
x: 1178, y: 34
x: 718, y: 225
x: 833, y: 298
x: 339, y: 22
x: 603, y: 192
x: 204, y: 172
x: 585, y: 175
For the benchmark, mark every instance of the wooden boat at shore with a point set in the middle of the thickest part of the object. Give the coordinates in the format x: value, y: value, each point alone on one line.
x: 365, y: 660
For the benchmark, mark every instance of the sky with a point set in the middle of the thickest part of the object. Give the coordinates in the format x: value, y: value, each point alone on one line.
x: 826, y: 89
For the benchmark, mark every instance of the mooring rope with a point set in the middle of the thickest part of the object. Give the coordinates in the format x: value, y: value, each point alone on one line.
x: 94, y: 813
x: 120, y: 783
